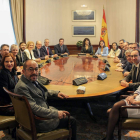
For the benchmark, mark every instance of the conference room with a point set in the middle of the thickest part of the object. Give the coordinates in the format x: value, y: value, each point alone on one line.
x: 79, y: 63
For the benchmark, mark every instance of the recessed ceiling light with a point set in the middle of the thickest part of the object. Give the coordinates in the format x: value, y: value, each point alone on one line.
x: 83, y: 5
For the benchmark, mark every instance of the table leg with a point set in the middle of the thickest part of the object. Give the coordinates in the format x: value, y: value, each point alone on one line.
x: 89, y: 110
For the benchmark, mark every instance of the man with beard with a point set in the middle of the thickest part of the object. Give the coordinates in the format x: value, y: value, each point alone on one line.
x: 22, y: 55
x: 134, y: 74
x: 37, y: 96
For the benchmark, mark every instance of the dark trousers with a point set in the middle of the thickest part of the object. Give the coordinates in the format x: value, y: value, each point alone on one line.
x: 64, y: 124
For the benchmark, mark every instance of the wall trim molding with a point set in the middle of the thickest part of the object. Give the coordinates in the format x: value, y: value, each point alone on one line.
x: 73, y: 49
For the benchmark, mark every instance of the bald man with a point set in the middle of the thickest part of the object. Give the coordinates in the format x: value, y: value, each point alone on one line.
x: 37, y: 96
x: 38, y: 52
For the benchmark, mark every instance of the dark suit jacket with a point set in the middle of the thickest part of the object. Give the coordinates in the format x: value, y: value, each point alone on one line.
x: 132, y: 76
x: 24, y: 56
x: 38, y: 104
x: 58, y: 51
x: 7, y: 81
x: 127, y: 68
x: 45, y: 51
x: 0, y: 59
x: 42, y: 54
x: 122, y: 55
x: 19, y: 63
x: 89, y: 50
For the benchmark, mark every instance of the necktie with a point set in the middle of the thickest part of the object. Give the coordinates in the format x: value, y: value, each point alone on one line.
x: 122, y: 52
x: 39, y: 53
x: 22, y: 56
x: 137, y: 72
x: 61, y: 48
x: 39, y: 87
x: 47, y: 50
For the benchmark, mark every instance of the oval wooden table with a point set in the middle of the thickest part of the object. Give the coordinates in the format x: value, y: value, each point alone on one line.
x: 64, y: 70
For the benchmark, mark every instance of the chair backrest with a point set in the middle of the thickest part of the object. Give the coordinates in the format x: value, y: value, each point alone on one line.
x: 23, y: 112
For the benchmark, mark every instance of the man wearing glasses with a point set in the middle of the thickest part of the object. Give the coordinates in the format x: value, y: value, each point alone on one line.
x: 125, y: 69
x: 134, y: 74
x: 22, y: 55
x: 129, y: 63
x: 37, y: 96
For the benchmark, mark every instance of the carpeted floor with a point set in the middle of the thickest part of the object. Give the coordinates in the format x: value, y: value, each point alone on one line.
x: 87, y: 129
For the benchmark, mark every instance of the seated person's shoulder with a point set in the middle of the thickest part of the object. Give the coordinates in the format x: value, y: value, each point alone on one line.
x: 56, y: 45
x: 3, y: 74
x: 20, y: 85
x: 34, y: 50
x: 26, y: 50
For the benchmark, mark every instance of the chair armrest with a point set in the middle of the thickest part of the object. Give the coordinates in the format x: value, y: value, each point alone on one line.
x: 6, y: 106
x: 125, y: 107
x: 123, y: 96
x: 129, y: 92
x: 132, y: 107
x: 40, y: 118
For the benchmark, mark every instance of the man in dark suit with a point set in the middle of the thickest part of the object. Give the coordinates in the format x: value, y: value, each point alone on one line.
x: 46, y: 49
x: 4, y: 50
x: 134, y: 74
x: 38, y: 52
x: 121, y: 55
x: 22, y: 55
x: 128, y: 66
x: 61, y: 48
x: 37, y: 96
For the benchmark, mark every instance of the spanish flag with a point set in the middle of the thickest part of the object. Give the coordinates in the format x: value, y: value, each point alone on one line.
x: 104, y: 33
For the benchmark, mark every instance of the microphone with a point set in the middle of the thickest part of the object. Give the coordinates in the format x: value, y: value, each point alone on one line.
x: 40, y: 65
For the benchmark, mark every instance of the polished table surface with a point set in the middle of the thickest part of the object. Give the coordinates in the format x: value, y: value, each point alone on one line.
x: 64, y: 70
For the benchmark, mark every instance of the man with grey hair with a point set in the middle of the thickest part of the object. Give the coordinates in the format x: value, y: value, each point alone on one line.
x: 47, y: 50
x: 124, y: 67
x: 4, y: 51
x: 129, y: 63
x: 39, y: 52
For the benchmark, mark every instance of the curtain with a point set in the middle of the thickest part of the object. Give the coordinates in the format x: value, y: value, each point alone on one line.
x: 17, y: 18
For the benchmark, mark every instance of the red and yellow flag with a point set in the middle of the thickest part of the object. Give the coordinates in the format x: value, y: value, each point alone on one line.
x: 104, y: 33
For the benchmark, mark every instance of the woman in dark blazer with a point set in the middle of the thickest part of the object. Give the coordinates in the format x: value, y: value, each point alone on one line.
x: 87, y: 48
x: 8, y: 79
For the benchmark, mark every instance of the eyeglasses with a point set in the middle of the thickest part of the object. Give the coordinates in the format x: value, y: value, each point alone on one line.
x: 128, y: 56
x: 5, y: 50
x: 134, y: 56
x: 32, y: 69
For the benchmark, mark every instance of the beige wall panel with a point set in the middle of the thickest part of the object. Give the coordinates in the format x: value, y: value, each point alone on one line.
x: 53, y: 19
x: 43, y: 20
x: 121, y: 20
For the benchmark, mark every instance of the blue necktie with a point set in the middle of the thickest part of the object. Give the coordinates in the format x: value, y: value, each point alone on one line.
x: 61, y: 48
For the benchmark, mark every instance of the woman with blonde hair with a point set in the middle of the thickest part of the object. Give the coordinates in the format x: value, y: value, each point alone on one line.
x: 29, y: 51
x: 14, y: 50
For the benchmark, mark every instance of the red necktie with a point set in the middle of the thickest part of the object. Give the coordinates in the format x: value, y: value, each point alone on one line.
x: 48, y: 51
